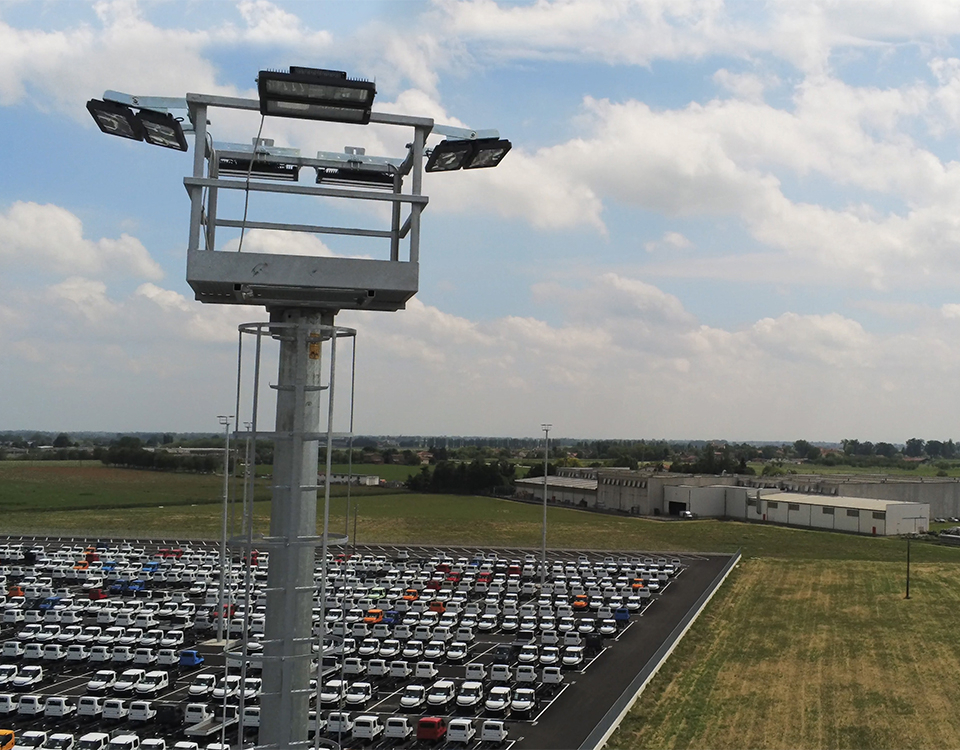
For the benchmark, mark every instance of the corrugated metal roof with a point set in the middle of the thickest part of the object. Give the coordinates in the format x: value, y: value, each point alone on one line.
x: 568, y: 483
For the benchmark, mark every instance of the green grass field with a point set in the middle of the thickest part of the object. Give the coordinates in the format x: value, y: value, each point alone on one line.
x: 810, y: 644
x: 811, y: 654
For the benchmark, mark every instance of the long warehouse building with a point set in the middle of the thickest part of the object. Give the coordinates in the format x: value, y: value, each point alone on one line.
x: 723, y: 497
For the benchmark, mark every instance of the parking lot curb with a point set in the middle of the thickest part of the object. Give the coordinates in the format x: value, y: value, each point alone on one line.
x: 611, y: 720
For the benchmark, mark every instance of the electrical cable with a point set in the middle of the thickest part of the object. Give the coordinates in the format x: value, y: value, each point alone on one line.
x: 246, y: 189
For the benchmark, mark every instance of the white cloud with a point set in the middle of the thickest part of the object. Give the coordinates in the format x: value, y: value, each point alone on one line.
x: 671, y: 240
x: 50, y: 238
x: 85, y: 297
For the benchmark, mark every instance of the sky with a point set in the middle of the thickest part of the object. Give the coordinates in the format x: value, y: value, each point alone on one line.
x: 718, y: 220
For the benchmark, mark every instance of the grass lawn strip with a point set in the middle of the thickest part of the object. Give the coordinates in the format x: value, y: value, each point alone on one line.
x: 811, y: 654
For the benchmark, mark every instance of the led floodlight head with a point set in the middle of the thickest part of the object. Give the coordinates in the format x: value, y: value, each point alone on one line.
x: 355, y: 177
x: 115, y: 119
x: 162, y: 129
x: 448, y: 156
x: 267, y: 170
x: 487, y: 152
x: 315, y: 94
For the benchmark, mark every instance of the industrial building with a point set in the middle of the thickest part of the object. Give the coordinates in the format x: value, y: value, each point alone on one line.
x: 736, y: 497
x: 857, y: 515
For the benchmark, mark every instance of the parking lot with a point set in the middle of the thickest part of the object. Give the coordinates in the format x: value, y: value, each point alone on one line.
x: 462, y: 647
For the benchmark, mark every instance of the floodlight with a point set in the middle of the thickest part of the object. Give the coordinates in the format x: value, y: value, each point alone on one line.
x: 267, y: 170
x: 487, y: 152
x: 356, y: 177
x: 315, y: 94
x: 448, y: 156
x: 115, y: 119
x: 162, y: 129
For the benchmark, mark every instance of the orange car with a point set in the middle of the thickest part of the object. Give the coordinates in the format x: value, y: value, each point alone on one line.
x: 637, y: 584
x: 438, y: 607
x: 581, y: 601
x: 373, y: 616
x: 410, y: 595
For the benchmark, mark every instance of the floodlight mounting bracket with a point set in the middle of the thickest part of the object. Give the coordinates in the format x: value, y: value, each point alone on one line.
x: 162, y: 104
x: 465, y: 134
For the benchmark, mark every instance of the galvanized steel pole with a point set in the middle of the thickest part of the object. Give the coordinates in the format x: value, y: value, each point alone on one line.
x: 293, y: 518
x: 546, y: 453
x: 225, y: 421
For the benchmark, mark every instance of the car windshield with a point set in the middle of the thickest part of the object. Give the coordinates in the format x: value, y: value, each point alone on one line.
x: 32, y: 741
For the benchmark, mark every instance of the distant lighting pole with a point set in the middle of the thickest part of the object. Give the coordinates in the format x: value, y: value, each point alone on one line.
x: 246, y: 479
x: 914, y: 519
x: 225, y: 421
x: 546, y: 453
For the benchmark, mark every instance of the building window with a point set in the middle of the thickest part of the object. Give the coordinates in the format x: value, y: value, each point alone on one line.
x: 772, y: 506
x: 880, y: 515
x: 793, y: 506
x: 828, y: 511
x: 853, y: 513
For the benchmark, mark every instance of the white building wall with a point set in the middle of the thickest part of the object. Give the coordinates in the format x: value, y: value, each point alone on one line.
x: 843, y: 521
x: 709, y: 501
x: 869, y: 524
x: 735, y: 502
x: 901, y: 518
x: 799, y: 514
x: 775, y: 511
x: 819, y: 519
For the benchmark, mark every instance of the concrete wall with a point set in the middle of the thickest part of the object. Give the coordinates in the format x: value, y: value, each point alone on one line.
x: 900, y: 518
x: 709, y: 501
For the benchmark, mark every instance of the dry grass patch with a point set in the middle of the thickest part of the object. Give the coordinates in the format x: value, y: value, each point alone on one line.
x: 812, y: 655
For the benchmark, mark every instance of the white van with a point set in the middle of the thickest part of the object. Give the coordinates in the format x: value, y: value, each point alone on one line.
x: 124, y: 742
x: 31, y: 705
x: 460, y: 730
x: 58, y: 707
x: 493, y: 730
x: 397, y: 728
x: 251, y: 716
x: 367, y: 727
x: 115, y: 709
x: 142, y: 711
x: 93, y: 741
x: 91, y: 706
x: 77, y: 653
x: 153, y: 682
x: 9, y: 704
